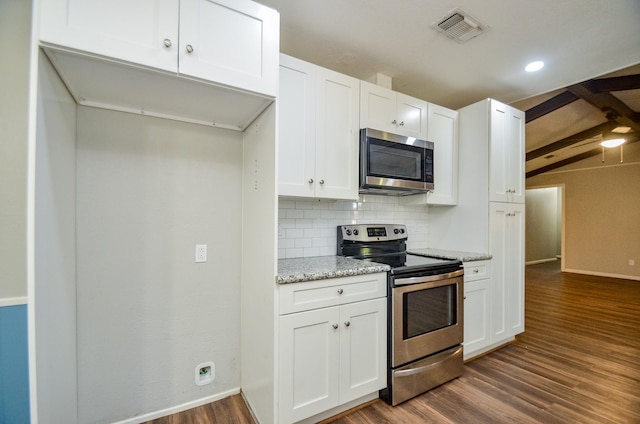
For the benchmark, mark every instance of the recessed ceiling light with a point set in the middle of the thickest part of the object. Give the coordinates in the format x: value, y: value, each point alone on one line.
x: 534, y: 66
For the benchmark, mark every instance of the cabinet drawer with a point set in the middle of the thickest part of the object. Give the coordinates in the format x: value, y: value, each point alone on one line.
x: 477, y: 270
x: 308, y: 295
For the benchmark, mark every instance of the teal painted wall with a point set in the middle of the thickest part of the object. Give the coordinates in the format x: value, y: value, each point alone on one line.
x: 14, y: 368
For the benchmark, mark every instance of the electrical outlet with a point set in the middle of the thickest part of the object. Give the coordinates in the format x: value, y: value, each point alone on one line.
x: 205, y: 373
x: 632, y: 262
x: 201, y: 253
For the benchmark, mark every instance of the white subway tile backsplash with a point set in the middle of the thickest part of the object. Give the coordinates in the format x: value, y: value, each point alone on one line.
x: 294, y: 213
x: 308, y: 227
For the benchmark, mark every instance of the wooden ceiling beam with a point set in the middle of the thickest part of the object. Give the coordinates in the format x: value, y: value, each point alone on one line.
x: 564, y: 162
x: 605, y: 85
x: 607, y: 102
x: 572, y: 139
x: 548, y: 106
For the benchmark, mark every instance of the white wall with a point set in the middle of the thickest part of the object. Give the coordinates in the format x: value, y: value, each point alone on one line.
x: 543, y: 224
x: 308, y: 227
x: 14, y: 85
x: 148, y: 191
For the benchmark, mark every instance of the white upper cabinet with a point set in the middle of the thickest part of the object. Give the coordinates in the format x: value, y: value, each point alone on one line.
x: 442, y: 130
x: 317, y: 132
x: 210, y: 62
x: 141, y: 31
x: 506, y: 162
x: 230, y: 42
x: 387, y: 110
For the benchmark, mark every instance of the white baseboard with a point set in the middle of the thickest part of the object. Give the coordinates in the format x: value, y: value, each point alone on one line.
x: 179, y: 408
x: 541, y: 261
x: 603, y: 274
x: 13, y: 301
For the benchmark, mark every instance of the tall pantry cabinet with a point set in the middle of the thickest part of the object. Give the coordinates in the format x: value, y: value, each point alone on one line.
x: 489, y: 216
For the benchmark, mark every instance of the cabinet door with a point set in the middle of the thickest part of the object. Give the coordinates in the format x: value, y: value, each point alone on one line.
x: 516, y: 155
x: 377, y: 107
x: 309, y: 363
x: 363, y: 348
x: 499, y: 248
x: 507, y: 246
x: 477, y: 313
x: 506, y: 162
x: 515, y: 269
x: 336, y: 135
x: 498, y: 143
x: 442, y: 130
x: 133, y: 31
x: 233, y: 42
x: 297, y: 128
x: 411, y: 116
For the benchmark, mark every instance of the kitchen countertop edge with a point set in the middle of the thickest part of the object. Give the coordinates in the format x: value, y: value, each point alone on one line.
x: 297, y: 270
x: 451, y: 254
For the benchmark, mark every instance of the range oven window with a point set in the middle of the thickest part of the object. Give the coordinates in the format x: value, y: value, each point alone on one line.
x: 394, y: 160
x: 429, y: 310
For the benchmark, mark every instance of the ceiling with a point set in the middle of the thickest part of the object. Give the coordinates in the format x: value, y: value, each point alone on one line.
x: 578, y: 40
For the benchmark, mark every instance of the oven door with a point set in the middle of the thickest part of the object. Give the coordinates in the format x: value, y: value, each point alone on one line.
x: 427, y: 316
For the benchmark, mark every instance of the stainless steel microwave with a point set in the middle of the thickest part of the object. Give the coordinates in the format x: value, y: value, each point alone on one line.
x: 393, y: 164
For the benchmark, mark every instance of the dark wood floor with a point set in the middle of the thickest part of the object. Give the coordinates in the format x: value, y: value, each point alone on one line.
x: 578, y: 361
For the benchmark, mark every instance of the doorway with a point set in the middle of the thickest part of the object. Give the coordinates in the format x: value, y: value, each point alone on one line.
x: 544, y: 225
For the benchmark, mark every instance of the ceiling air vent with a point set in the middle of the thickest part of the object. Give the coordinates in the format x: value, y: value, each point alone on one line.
x: 458, y: 25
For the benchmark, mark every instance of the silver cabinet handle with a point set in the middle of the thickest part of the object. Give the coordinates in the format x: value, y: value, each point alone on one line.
x: 310, y: 180
x: 475, y: 271
x: 166, y: 42
x: 340, y: 291
x: 347, y: 323
x: 189, y: 48
x: 394, y: 122
x: 321, y: 181
x: 401, y: 123
x: 335, y: 326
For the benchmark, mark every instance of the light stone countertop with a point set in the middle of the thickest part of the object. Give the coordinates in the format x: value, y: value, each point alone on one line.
x: 451, y: 254
x: 296, y: 270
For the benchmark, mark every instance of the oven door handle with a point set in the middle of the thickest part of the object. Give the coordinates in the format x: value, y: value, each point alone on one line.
x: 412, y: 371
x: 427, y: 279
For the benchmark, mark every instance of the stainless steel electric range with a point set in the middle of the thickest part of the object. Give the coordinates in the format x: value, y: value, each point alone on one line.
x: 425, y: 309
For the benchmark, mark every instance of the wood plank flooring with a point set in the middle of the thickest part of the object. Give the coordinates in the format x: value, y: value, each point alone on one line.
x: 578, y: 361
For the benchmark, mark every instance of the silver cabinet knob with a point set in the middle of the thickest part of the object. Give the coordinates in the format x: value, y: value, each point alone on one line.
x: 475, y: 271
x: 347, y: 323
x: 166, y: 42
x: 189, y: 48
x: 340, y: 291
x: 401, y: 123
x: 310, y: 180
x: 394, y: 122
x: 335, y: 326
x: 321, y: 181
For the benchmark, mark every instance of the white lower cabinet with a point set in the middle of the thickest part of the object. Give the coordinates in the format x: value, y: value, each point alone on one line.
x: 506, y: 239
x: 332, y: 355
x: 477, y: 307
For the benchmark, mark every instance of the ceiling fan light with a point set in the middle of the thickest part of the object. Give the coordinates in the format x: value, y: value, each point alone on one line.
x: 613, y: 142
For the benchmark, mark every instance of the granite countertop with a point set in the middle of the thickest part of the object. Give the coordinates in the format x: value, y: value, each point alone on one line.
x: 451, y: 254
x: 296, y: 270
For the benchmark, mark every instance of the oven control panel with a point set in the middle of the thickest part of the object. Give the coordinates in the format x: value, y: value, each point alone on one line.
x: 372, y: 232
